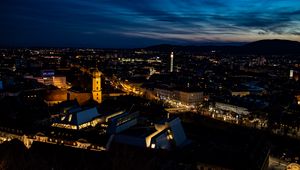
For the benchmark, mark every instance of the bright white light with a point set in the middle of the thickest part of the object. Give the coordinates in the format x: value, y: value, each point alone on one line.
x: 291, y: 73
x: 152, y: 145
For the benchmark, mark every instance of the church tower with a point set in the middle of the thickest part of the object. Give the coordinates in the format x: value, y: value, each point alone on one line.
x: 97, y: 92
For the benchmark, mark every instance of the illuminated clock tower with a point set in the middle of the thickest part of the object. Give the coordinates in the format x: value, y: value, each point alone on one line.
x: 97, y: 92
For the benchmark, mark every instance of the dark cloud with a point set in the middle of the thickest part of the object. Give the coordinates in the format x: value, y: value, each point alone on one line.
x: 88, y: 21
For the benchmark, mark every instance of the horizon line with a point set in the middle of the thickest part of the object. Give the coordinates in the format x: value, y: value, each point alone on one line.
x: 203, y: 44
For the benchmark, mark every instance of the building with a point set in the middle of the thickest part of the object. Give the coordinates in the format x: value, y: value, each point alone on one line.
x: 97, y: 91
x: 48, y: 78
x: 232, y: 108
x: 120, y: 121
x: 78, y: 118
x: 298, y: 99
x: 57, y: 96
x: 175, y: 130
x: 191, y: 98
x: 172, y: 61
x: 248, y: 88
x: 293, y: 166
x: 166, y: 134
x: 240, y: 93
x: 60, y: 82
x: 295, y: 74
x: 72, y: 116
x: 291, y: 74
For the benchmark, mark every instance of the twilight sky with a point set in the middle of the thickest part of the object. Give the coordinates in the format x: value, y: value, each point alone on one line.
x: 138, y: 23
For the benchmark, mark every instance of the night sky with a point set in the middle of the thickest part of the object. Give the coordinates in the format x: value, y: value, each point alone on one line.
x: 138, y: 23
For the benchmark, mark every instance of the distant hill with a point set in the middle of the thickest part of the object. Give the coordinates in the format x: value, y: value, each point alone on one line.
x: 273, y: 47
x: 258, y: 47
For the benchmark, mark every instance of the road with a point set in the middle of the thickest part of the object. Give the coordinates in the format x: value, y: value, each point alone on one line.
x: 277, y: 164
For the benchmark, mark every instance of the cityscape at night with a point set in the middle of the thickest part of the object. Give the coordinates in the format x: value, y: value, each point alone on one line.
x: 152, y: 85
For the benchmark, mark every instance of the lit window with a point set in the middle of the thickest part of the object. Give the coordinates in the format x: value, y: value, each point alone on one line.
x: 70, y: 118
x: 152, y: 145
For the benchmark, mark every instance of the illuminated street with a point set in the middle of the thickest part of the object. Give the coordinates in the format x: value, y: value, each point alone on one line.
x: 276, y: 164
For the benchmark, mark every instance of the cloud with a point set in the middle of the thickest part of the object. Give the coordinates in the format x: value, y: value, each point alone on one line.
x: 178, y: 20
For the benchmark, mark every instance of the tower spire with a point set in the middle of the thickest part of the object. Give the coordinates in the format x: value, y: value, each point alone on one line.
x: 171, y: 63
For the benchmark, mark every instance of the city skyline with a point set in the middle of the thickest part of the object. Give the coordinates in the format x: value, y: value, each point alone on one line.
x: 127, y: 24
x: 150, y: 84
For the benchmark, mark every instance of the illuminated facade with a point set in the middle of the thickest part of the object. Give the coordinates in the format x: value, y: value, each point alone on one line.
x: 97, y: 92
x: 60, y: 82
x: 298, y: 99
x: 293, y: 166
x: 184, y: 97
x: 232, y: 108
x: 78, y: 119
x: 57, y: 96
x: 48, y: 78
x: 240, y: 93
x: 164, y: 135
x: 294, y: 74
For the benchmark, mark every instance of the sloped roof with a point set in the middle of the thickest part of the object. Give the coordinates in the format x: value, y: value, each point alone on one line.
x: 86, y: 115
x: 56, y: 95
x: 80, y: 117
